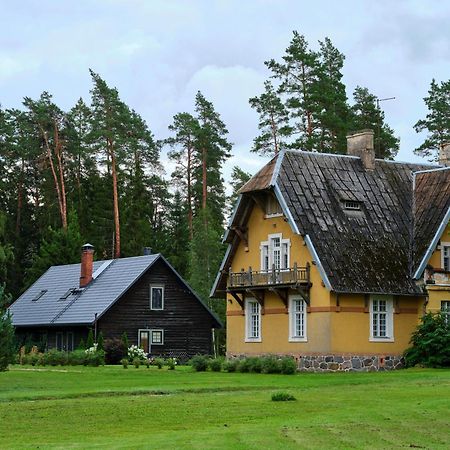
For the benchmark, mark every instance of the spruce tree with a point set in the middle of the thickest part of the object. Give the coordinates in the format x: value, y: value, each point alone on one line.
x: 366, y: 115
x: 437, y: 120
x: 273, y: 122
x: 6, y: 332
x: 100, y: 342
x: 90, y: 339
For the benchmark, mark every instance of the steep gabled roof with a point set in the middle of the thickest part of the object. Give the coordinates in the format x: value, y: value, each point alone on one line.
x: 365, y: 251
x: 81, y: 306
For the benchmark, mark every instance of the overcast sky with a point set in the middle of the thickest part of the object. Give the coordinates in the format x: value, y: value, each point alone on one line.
x: 160, y: 53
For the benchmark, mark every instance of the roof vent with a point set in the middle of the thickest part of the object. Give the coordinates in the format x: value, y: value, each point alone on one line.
x: 352, y: 205
x: 361, y: 144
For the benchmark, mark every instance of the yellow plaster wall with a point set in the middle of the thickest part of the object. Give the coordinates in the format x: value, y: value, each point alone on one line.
x: 436, y: 259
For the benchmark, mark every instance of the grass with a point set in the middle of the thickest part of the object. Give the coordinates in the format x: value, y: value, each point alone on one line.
x: 110, y: 407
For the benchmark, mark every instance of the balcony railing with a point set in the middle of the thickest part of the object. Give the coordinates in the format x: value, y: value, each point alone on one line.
x: 274, y: 277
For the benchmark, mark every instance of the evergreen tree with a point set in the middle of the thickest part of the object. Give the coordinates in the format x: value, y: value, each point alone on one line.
x: 238, y: 178
x: 437, y: 120
x: 90, y: 339
x: 100, y: 342
x: 6, y: 332
x: 366, y: 115
x: 273, y: 122
x: 6, y: 251
x: 125, y: 342
x: 58, y: 247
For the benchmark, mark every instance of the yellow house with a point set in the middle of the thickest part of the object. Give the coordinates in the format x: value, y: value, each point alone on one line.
x: 334, y: 258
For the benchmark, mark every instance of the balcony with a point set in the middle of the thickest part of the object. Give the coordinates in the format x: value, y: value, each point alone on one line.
x: 437, y: 276
x: 274, y: 278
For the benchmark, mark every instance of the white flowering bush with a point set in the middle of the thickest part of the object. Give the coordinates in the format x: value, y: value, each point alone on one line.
x: 91, y: 350
x: 134, y: 352
x: 171, y: 363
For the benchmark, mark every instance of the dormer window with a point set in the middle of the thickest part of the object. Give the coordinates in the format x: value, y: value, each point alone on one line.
x: 39, y: 295
x: 351, y: 205
x: 273, y: 208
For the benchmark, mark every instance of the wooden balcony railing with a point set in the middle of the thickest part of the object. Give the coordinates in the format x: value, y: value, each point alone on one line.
x: 274, y: 277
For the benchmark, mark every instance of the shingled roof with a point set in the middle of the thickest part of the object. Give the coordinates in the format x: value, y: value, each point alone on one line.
x: 63, y: 303
x: 366, y: 251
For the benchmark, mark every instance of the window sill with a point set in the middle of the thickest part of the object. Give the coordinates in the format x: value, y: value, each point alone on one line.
x: 271, y: 216
x: 250, y: 340
x: 298, y: 339
x: 387, y: 339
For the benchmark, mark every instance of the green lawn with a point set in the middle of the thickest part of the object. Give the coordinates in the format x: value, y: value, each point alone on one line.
x: 109, y: 407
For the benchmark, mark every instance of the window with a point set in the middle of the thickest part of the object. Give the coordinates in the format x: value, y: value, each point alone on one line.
x: 381, y: 319
x: 275, y: 253
x: 297, y: 319
x: 67, y: 294
x: 157, y: 297
x: 39, y: 295
x: 69, y: 341
x: 445, y: 252
x: 60, y: 341
x: 252, y: 321
x: 273, y: 208
x: 445, y: 309
x: 157, y: 337
x: 352, y: 205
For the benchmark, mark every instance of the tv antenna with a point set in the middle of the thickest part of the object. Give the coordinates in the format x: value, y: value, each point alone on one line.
x: 379, y: 100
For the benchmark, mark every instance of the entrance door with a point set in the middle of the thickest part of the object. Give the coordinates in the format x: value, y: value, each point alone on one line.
x: 144, y: 340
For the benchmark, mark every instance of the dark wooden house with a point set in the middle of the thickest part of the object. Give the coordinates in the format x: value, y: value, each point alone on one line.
x: 143, y: 296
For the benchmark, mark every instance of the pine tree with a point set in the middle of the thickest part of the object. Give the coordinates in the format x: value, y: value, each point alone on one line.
x: 437, y: 121
x: 366, y: 115
x: 6, y: 332
x: 273, y: 122
x: 238, y: 178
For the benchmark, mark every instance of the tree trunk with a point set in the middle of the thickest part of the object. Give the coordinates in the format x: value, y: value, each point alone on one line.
x: 19, y: 198
x: 204, y: 179
x: 274, y: 132
x: 308, y: 113
x: 115, y: 201
x: 58, y: 152
x: 189, y: 190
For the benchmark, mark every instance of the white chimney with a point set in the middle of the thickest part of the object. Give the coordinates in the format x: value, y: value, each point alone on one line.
x: 444, y: 154
x: 361, y: 144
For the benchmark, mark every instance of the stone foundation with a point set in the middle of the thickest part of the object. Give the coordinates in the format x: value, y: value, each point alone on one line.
x: 349, y: 363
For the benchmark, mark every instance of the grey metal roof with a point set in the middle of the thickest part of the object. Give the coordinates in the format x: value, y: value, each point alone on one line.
x: 80, y: 307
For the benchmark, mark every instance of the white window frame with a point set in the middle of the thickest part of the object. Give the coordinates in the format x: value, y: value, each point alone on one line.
x: 156, y: 286
x: 445, y: 245
x: 445, y: 309
x: 389, y: 318
x: 157, y: 330
x: 272, y: 200
x: 292, y: 319
x: 270, y: 251
x: 248, y: 320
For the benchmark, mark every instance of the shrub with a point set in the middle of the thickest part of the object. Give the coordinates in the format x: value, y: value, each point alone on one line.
x: 135, y: 352
x: 270, y: 364
x: 288, y: 365
x: 114, y: 351
x: 54, y: 358
x: 137, y: 362
x: 231, y: 365
x: 282, y: 397
x: 199, y: 363
x: 81, y: 345
x: 254, y: 364
x: 430, y: 342
x: 124, y: 362
x: 215, y: 364
x: 158, y: 362
x: 125, y: 342
x: 95, y: 359
x: 243, y: 365
x: 76, y: 358
x: 171, y: 363
x: 100, y: 342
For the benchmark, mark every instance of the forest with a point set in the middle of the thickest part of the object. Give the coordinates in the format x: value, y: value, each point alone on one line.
x: 93, y: 173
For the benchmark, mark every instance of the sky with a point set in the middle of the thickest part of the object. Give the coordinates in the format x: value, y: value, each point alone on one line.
x: 160, y: 53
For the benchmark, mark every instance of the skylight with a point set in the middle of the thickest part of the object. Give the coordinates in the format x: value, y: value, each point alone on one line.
x: 66, y: 295
x: 39, y: 295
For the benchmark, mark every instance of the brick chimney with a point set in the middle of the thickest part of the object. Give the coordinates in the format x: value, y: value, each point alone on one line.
x: 444, y: 154
x: 87, y: 264
x: 361, y: 144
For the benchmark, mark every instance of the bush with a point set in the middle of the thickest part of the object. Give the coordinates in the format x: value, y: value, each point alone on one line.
x: 282, y: 397
x: 171, y: 363
x: 114, y: 351
x: 95, y: 359
x: 231, y: 365
x: 430, y: 342
x: 54, y: 358
x: 125, y: 342
x: 136, y: 362
x: 199, y: 363
x: 135, y: 352
x: 81, y: 345
x: 270, y: 364
x: 124, y: 362
x: 76, y: 358
x: 288, y: 365
x: 158, y: 362
x: 254, y: 364
x: 243, y: 365
x: 100, y: 342
x: 215, y: 365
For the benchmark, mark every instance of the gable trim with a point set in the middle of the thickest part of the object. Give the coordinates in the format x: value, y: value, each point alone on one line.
x: 316, y: 260
x: 232, y: 217
x: 219, y: 273
x: 277, y: 167
x: 432, y: 245
x: 285, y: 209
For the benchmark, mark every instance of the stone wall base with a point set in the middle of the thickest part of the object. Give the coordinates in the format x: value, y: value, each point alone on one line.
x: 349, y: 363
